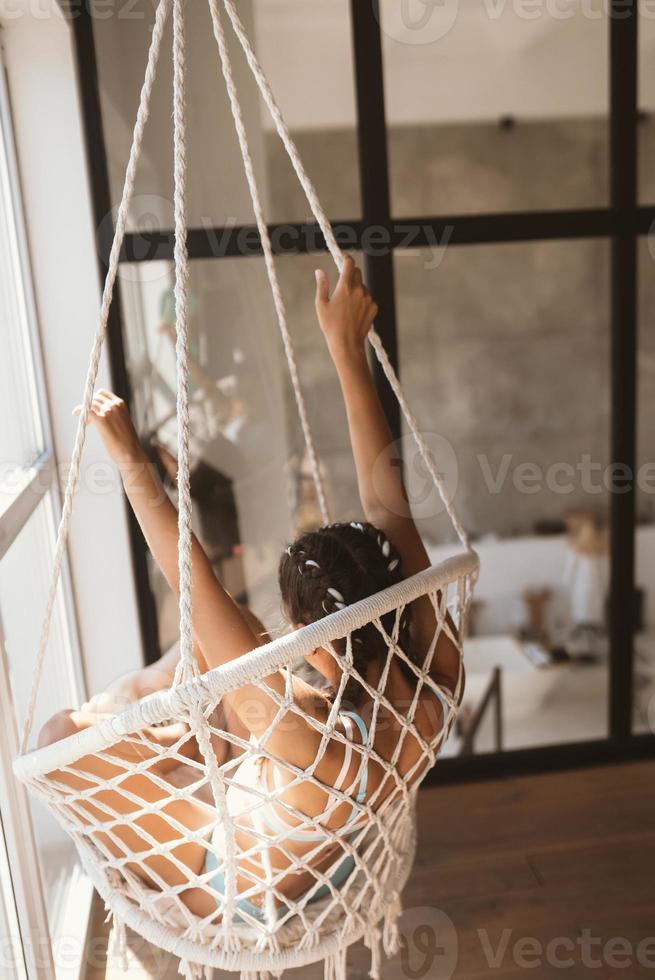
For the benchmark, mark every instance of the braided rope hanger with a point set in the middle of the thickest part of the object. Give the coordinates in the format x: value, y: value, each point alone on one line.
x: 188, y: 667
x: 96, y: 351
x: 271, y: 271
x: 338, y: 257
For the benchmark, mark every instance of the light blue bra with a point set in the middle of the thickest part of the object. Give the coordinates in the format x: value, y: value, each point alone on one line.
x: 272, y: 818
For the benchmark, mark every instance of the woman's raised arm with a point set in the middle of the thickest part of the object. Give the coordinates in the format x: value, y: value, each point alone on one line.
x: 346, y: 318
x: 223, y: 632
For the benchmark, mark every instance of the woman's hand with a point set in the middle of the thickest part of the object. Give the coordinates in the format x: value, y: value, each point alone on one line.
x: 135, y: 685
x: 111, y: 417
x: 111, y: 702
x: 347, y: 316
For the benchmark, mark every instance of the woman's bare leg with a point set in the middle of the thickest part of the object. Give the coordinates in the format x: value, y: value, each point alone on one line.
x: 144, y: 834
x: 141, y: 831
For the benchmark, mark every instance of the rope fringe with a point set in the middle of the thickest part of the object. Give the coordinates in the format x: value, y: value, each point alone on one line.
x: 117, y: 947
x: 391, y: 939
x: 195, y: 971
x: 373, y: 941
x: 336, y: 965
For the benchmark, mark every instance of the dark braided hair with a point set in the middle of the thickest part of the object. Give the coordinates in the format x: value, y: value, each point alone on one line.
x: 333, y: 567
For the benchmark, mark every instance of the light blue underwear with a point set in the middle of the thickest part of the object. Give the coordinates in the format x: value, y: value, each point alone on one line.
x: 338, y: 878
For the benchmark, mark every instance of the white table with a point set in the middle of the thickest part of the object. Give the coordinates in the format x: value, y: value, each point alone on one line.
x: 525, y: 687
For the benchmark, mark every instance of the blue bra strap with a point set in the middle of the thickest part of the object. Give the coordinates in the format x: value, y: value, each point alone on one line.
x: 361, y: 794
x: 363, y: 731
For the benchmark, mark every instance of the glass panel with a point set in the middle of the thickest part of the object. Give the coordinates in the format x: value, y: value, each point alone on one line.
x: 24, y: 581
x: 321, y: 117
x: 644, y: 668
x: 21, y: 439
x: 239, y: 418
x: 250, y: 475
x: 646, y: 97
x: 496, y: 107
x: 504, y: 356
x: 323, y: 396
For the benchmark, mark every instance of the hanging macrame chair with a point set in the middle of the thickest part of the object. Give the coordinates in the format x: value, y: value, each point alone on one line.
x: 325, y: 920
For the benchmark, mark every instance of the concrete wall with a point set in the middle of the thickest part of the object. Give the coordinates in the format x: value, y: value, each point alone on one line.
x: 504, y: 349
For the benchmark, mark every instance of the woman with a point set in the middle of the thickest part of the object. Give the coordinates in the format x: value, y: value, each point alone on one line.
x: 322, y: 571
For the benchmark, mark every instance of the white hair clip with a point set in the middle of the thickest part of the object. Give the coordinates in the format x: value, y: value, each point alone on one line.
x: 336, y: 595
x: 310, y: 561
x: 392, y: 564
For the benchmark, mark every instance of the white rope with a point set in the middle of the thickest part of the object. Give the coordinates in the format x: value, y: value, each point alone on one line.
x: 366, y: 905
x: 94, y: 363
x: 187, y: 667
x: 257, y: 857
x: 271, y: 270
x: 337, y: 255
x: 382, y: 858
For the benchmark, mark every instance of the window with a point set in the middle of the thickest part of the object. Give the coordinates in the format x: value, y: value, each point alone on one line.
x: 515, y: 384
x: 524, y: 300
x: 493, y: 109
x: 37, y: 894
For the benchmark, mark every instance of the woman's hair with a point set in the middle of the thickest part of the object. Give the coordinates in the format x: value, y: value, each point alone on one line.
x: 333, y: 567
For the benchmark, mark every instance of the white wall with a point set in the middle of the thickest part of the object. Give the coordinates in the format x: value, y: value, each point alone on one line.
x: 44, y: 98
x: 508, y: 567
x: 472, y: 60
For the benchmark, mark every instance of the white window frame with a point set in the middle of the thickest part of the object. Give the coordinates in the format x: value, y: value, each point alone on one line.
x: 20, y: 497
x: 45, y: 95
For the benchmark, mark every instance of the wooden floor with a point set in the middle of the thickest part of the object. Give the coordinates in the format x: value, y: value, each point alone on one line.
x: 544, y: 876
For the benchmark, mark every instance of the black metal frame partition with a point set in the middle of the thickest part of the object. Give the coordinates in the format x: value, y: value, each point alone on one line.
x: 622, y: 221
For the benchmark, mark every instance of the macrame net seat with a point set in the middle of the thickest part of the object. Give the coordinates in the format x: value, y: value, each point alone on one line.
x: 367, y: 905
x: 288, y: 929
